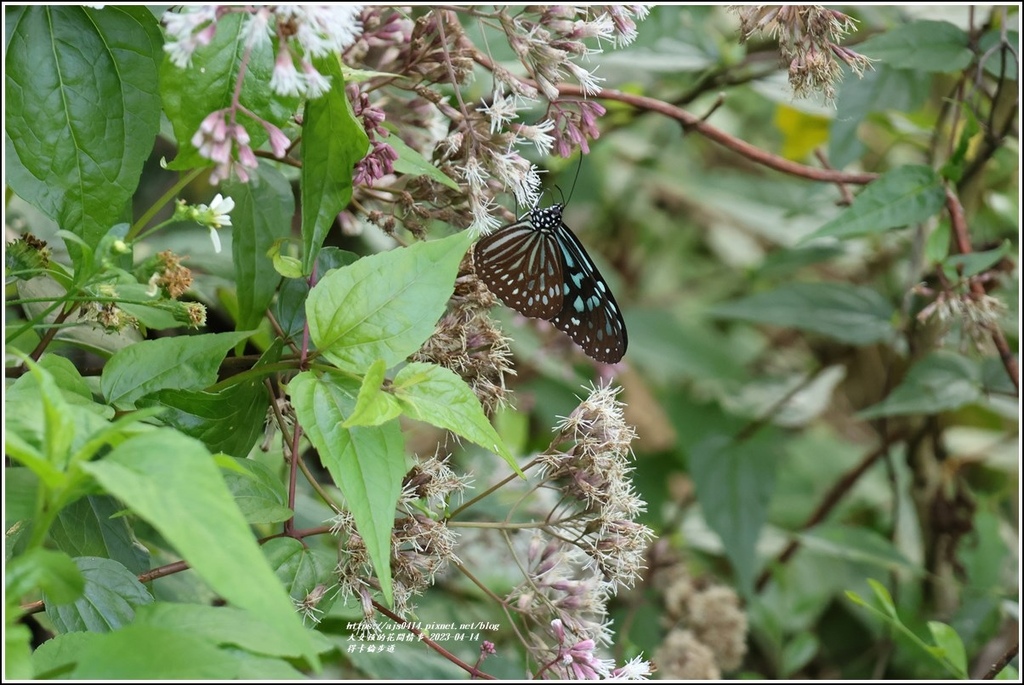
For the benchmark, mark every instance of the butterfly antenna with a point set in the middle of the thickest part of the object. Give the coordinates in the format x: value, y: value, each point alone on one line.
x: 575, y: 178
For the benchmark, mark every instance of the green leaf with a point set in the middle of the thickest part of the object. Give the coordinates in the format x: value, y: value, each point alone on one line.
x: 171, y: 482
x: 18, y: 660
x: 52, y: 572
x: 90, y: 527
x: 183, y: 362
x: 262, y: 215
x: 111, y: 595
x: 208, y: 85
x: 849, y: 313
x: 332, y: 142
x: 58, y: 656
x: 922, y: 45
x: 81, y: 110
x: 901, y: 197
x: 21, y: 487
x: 153, y: 653
x: 290, y: 306
x: 366, y: 462
x: 797, y: 653
x: 967, y: 265
x: 262, y: 668
x: 58, y: 425
x: 856, y: 544
x: 384, y: 306
x: 884, y: 598
x: 413, y: 163
x: 734, y: 483
x: 259, y: 492
x: 217, y: 625
x: 942, y: 381
x: 302, y: 569
x: 229, y: 421
x: 936, y: 246
x: 373, y: 405
x: 440, y: 397
x: 951, y: 645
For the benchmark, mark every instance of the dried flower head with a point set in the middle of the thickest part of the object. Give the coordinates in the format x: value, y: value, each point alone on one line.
x: 681, y: 656
x: 809, y: 37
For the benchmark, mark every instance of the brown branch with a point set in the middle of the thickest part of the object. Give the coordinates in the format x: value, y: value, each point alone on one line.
x: 1003, y: 662
x: 692, y: 122
x: 963, y: 244
x: 827, y: 504
x: 471, y: 670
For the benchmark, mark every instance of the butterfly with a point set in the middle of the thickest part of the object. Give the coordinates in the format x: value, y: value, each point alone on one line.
x: 539, y: 268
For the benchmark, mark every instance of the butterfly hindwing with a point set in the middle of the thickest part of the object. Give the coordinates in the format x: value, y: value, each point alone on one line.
x: 589, y: 314
x: 539, y: 268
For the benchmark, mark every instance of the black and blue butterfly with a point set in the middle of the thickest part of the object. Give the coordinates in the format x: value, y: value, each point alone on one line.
x: 540, y: 269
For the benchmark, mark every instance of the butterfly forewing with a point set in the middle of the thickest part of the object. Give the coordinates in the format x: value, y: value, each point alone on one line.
x: 589, y: 313
x: 522, y: 264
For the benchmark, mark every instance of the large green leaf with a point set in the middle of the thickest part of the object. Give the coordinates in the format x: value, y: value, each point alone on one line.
x: 384, y: 306
x: 229, y: 421
x: 172, y: 482
x: 924, y: 45
x: 904, y: 196
x: 148, y: 652
x: 218, y: 625
x: 58, y: 656
x: 18, y: 662
x: 366, y: 462
x: 439, y: 396
x: 111, y: 595
x: 942, y: 381
x: 183, y: 362
x: 303, y: 569
x: 734, y: 482
x: 91, y: 527
x: 258, y: 491
x: 208, y: 85
x: 262, y: 215
x: 55, y: 573
x: 856, y: 544
x: 81, y: 110
x: 852, y: 314
x: 332, y: 142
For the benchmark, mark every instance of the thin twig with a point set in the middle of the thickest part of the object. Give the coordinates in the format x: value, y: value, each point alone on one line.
x: 997, y: 668
x: 844, y: 192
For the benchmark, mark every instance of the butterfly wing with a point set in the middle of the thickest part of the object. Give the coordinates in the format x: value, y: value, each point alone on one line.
x: 522, y: 265
x: 589, y: 313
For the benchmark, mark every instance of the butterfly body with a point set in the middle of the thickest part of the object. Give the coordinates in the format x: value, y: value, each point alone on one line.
x: 539, y: 268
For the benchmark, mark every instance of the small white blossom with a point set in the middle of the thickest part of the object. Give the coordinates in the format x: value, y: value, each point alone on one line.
x: 501, y: 111
x: 587, y: 79
x: 219, y: 209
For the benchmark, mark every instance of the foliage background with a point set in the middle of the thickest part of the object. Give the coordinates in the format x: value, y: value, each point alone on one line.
x: 801, y: 432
